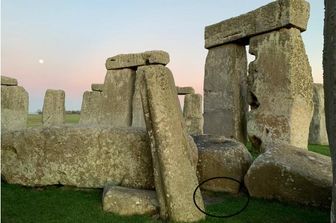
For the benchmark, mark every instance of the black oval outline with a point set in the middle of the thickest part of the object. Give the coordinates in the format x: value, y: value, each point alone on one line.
x: 221, y: 216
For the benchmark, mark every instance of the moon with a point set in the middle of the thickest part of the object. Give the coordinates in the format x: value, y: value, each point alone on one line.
x: 41, y: 61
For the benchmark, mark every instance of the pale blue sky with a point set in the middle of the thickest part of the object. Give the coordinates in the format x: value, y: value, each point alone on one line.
x: 74, y: 38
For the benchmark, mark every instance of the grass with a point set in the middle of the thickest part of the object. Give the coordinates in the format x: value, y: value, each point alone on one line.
x: 70, y: 205
x: 35, y: 120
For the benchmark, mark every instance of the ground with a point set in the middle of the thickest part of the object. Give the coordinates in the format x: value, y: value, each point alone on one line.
x: 66, y: 204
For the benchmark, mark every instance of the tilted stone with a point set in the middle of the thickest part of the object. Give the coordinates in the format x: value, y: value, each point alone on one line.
x: 221, y: 157
x: 14, y: 107
x: 174, y: 171
x: 53, y: 112
x: 82, y: 156
x: 8, y: 81
x: 185, y: 90
x: 137, y: 59
x: 138, y: 119
x: 97, y: 87
x: 128, y: 201
x: 225, y: 92
x: 273, y: 16
x: 318, y: 130
x: 280, y: 89
x: 192, y: 113
x: 91, y: 110
x: 291, y: 174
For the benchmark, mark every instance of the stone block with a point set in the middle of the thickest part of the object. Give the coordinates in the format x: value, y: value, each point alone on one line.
x: 53, y: 112
x: 185, y: 90
x: 8, y: 81
x: 192, y: 113
x: 97, y: 87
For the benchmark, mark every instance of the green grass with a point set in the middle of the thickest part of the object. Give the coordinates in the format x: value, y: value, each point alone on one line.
x: 35, y: 120
x: 68, y: 205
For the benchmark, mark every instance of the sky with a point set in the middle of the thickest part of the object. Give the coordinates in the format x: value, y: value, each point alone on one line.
x: 63, y: 44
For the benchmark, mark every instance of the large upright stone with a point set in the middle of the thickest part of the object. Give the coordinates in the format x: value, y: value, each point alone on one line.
x: 318, y: 130
x: 225, y: 91
x: 192, y: 113
x: 174, y: 171
x: 134, y: 60
x: 91, y: 108
x: 8, y: 81
x: 53, y: 112
x: 118, y: 92
x: 275, y: 15
x: 280, y: 89
x: 14, y: 107
x: 138, y: 118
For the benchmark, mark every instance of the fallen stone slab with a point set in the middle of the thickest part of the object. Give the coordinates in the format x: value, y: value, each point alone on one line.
x: 221, y: 157
x: 8, y: 81
x: 275, y: 15
x: 53, y: 112
x: 97, y: 87
x: 128, y: 201
x: 318, y: 130
x: 137, y: 59
x: 14, y: 107
x: 81, y: 156
x: 291, y: 174
x: 174, y: 171
x: 192, y: 113
x: 185, y: 90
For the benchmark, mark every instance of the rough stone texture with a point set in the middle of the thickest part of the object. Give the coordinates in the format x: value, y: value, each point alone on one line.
x: 318, y: 130
x: 221, y: 157
x: 185, y: 90
x: 82, y: 156
x: 91, y: 108
x: 225, y: 92
x: 14, y: 107
x: 97, y: 87
x: 273, y: 16
x: 8, y: 81
x: 53, y: 112
x: 280, y: 89
x: 192, y: 113
x: 137, y: 59
x: 292, y: 174
x: 129, y: 201
x: 174, y: 172
x: 138, y: 119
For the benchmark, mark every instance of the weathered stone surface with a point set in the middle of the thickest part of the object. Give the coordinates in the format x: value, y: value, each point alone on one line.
x: 185, y: 90
x: 137, y: 59
x: 129, y: 201
x: 117, y: 102
x: 91, y: 108
x: 221, y: 157
x: 318, y: 130
x: 97, y: 87
x: 273, y: 16
x: 8, y: 81
x: 288, y: 173
x: 82, y: 156
x: 280, y: 89
x: 192, y: 113
x: 138, y: 118
x: 53, y: 112
x: 14, y: 107
x: 225, y: 92
x: 174, y: 172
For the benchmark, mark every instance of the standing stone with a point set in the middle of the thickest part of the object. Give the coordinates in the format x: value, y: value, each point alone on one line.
x: 174, y: 170
x: 225, y: 91
x: 192, y: 113
x: 53, y: 112
x: 91, y: 108
x: 138, y: 118
x: 137, y: 59
x: 280, y: 89
x: 14, y: 107
x: 118, y: 92
x: 318, y: 130
x: 8, y: 81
